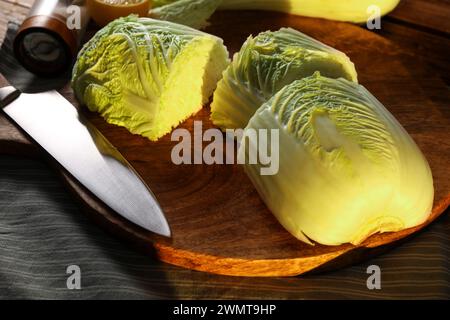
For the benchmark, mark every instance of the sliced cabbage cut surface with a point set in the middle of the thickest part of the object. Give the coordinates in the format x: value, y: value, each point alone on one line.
x: 267, y: 63
x: 347, y: 168
x: 148, y: 75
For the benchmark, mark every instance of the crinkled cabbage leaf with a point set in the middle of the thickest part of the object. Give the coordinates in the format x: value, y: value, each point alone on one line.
x: 265, y: 64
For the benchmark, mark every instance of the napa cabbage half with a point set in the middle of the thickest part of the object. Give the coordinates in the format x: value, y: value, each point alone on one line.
x: 347, y: 168
x: 148, y: 75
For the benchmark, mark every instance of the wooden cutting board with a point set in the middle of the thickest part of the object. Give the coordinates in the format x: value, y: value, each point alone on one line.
x: 218, y: 221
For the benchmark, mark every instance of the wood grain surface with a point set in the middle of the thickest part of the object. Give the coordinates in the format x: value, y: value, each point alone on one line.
x: 428, y: 14
x: 219, y: 223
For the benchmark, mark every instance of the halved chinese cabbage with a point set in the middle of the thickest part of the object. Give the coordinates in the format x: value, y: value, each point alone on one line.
x: 267, y: 63
x: 347, y: 168
x: 148, y: 75
x: 359, y: 11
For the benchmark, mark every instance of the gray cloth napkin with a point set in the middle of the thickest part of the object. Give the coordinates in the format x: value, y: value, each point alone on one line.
x: 42, y: 232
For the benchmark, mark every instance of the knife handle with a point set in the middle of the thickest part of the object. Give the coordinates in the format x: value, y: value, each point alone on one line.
x: 7, y: 94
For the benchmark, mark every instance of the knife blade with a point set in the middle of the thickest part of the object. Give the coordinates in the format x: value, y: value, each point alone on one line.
x: 56, y: 125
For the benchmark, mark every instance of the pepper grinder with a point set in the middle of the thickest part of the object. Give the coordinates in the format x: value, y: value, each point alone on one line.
x: 47, y: 41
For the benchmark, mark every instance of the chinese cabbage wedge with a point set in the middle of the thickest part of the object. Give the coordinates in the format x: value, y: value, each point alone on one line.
x: 148, y: 75
x: 347, y: 168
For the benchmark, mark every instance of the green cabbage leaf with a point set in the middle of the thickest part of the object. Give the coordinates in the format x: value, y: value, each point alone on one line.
x: 192, y: 13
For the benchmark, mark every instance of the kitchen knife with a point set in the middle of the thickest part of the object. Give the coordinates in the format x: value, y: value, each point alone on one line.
x: 55, y: 124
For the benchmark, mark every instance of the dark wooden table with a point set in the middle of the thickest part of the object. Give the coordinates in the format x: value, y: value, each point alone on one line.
x: 421, y: 28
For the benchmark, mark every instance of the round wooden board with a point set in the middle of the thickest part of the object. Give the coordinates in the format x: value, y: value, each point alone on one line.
x: 219, y: 223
